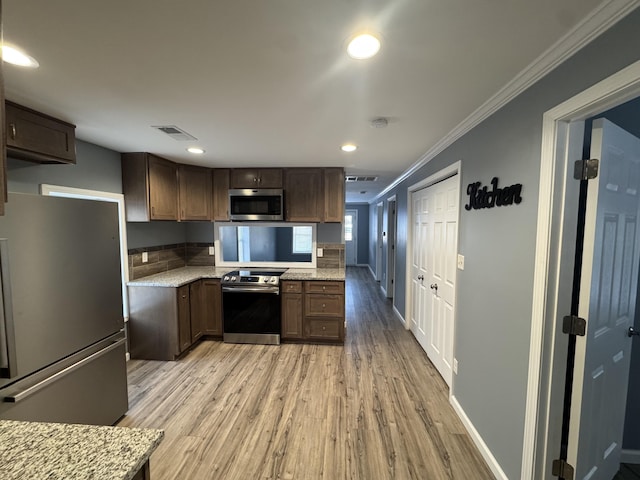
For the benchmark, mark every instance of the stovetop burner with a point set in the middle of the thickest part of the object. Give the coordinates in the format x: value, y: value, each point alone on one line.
x: 268, y: 277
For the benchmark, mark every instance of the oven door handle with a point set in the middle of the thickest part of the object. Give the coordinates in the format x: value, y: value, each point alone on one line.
x: 239, y: 289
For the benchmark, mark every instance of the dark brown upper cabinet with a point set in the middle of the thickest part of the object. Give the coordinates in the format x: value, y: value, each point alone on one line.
x: 150, y: 186
x: 333, y: 195
x: 303, y: 194
x: 256, y: 178
x: 196, y: 195
x: 37, y: 137
x: 221, y: 194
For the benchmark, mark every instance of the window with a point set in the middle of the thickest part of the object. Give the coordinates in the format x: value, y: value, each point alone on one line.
x: 302, y: 240
x: 348, y: 228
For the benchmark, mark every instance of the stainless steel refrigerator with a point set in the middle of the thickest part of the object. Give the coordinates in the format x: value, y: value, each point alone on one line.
x: 62, y: 344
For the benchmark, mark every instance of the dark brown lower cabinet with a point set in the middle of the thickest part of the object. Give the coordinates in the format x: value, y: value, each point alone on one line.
x: 197, y: 310
x: 164, y: 322
x: 313, y: 311
x: 292, y: 311
x: 212, y: 310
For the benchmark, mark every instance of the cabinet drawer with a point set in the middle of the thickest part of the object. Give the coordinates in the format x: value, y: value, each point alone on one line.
x: 323, y: 328
x: 325, y: 287
x: 324, y: 305
x: 291, y: 287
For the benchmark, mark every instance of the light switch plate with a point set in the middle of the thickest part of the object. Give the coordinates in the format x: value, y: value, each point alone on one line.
x: 145, y: 257
x: 460, y: 262
x: 320, y: 252
x: 212, y: 251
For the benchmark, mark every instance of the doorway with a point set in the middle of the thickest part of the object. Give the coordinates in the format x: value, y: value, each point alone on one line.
x: 391, y: 247
x: 351, y: 237
x: 379, y: 239
x: 558, y: 221
x: 431, y: 266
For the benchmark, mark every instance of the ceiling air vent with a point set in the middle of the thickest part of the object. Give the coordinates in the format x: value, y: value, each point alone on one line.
x: 174, y: 132
x: 361, y: 178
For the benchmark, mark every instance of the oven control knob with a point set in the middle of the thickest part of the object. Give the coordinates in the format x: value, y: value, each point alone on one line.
x: 226, y: 278
x: 233, y: 279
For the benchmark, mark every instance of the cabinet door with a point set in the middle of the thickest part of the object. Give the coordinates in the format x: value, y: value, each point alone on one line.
x: 3, y: 136
x: 184, y: 318
x: 34, y: 136
x: 196, y: 303
x: 256, y: 178
x: 212, y: 307
x: 333, y: 195
x: 303, y: 194
x: 292, y: 310
x: 270, y: 178
x: 163, y: 189
x: 221, y: 194
x: 195, y: 193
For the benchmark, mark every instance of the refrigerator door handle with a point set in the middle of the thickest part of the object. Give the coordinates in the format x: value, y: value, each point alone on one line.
x: 27, y: 392
x: 8, y: 367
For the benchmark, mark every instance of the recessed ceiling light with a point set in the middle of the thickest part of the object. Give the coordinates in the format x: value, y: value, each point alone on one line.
x: 195, y: 150
x: 15, y: 56
x: 348, y: 147
x: 363, y: 46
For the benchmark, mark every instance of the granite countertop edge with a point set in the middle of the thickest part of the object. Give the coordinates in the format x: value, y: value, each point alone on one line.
x: 59, y: 451
x: 185, y: 275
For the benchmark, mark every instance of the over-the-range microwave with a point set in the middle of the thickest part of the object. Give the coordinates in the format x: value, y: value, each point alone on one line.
x: 264, y: 204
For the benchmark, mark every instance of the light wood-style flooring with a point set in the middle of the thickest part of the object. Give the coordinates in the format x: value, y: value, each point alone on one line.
x: 372, y: 409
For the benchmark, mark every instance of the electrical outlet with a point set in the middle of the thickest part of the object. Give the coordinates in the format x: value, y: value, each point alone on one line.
x: 212, y: 251
x: 145, y: 257
x: 455, y: 366
x: 460, y: 262
x: 320, y: 252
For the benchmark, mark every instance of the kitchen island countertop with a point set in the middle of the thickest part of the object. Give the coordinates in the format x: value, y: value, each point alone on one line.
x: 57, y: 451
x: 182, y: 276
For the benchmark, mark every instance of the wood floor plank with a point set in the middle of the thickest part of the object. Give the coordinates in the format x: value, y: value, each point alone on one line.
x: 373, y: 409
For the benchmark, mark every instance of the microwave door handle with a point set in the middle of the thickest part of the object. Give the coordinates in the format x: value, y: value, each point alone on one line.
x: 7, y: 335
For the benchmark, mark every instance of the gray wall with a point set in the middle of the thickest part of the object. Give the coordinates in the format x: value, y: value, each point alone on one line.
x: 362, y: 235
x: 495, y: 289
x: 96, y: 168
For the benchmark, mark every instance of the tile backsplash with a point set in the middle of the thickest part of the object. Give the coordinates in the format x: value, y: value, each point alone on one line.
x: 167, y: 257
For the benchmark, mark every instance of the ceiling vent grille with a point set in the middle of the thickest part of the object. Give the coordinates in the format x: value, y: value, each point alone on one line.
x: 174, y: 132
x: 361, y: 178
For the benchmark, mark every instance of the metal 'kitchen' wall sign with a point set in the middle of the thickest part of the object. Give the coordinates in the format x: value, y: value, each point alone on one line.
x: 496, y: 197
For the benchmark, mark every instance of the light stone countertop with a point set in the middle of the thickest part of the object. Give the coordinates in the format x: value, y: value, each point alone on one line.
x: 182, y: 276
x: 57, y: 451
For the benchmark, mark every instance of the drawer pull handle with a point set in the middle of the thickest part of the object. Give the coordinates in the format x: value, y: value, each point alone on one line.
x: 13, y: 130
x: 323, y: 305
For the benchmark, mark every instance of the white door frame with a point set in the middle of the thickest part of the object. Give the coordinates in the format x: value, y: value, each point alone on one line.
x: 379, y: 215
x: 551, y: 259
x: 354, y: 235
x: 392, y: 236
x: 451, y: 170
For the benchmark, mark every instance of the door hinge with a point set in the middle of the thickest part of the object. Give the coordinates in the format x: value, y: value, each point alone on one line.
x: 574, y: 325
x: 561, y: 469
x: 586, y: 169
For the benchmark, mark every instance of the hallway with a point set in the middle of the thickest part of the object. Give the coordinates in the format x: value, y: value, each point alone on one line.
x: 371, y: 410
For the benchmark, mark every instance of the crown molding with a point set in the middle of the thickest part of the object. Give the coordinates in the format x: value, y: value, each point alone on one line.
x: 593, y: 25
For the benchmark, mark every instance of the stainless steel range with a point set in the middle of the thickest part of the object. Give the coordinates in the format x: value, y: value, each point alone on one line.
x: 251, y: 306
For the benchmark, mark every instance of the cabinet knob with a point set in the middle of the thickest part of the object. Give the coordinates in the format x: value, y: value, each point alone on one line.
x: 324, y: 288
x: 12, y: 126
x: 323, y: 305
x: 184, y: 296
x: 324, y: 328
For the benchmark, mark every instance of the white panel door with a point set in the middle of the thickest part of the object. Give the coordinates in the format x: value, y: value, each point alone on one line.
x: 607, y: 302
x: 420, y: 246
x: 433, y: 276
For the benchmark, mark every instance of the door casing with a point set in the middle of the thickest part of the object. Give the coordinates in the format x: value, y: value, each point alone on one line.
x: 563, y: 130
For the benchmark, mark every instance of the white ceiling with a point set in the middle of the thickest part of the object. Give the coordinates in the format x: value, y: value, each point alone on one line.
x: 268, y: 82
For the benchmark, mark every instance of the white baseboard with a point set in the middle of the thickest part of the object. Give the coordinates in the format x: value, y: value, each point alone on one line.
x: 373, y: 274
x: 630, y: 456
x: 127, y: 356
x: 477, y: 439
x: 363, y: 265
x: 384, y: 292
x: 400, y: 317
